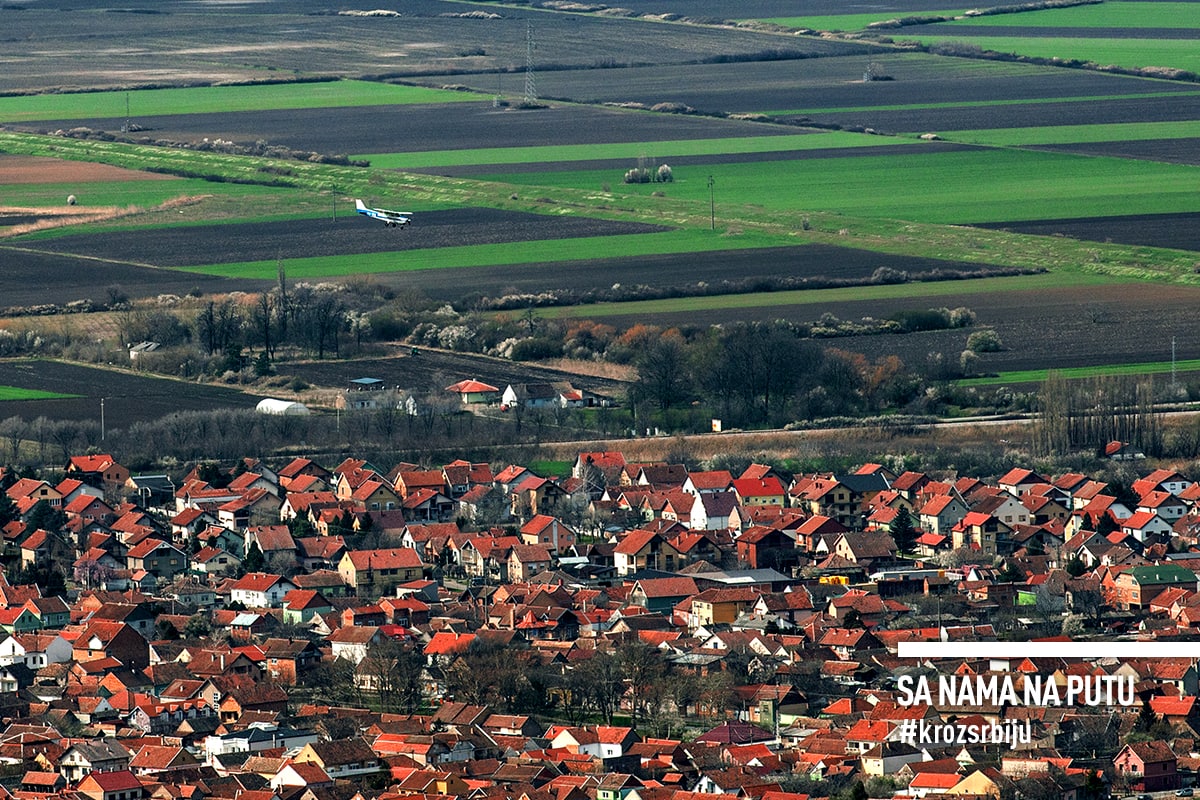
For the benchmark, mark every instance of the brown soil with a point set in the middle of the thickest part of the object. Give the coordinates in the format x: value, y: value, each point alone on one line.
x: 33, y: 169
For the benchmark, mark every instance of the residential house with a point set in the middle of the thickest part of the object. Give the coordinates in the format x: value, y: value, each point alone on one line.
x: 260, y: 590
x: 1147, y: 767
x: 345, y: 758
x: 93, y: 756
x: 547, y: 530
x: 98, y: 470
x: 116, y: 785
x: 375, y: 573
x: 160, y: 559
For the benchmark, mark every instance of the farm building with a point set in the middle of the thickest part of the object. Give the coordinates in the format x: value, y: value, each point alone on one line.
x: 269, y: 405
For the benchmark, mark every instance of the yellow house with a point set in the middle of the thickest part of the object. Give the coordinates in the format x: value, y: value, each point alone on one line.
x: 977, y: 784
x: 375, y: 573
x: 716, y: 606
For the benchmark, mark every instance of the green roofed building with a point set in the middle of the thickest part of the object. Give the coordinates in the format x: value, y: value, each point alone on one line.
x: 1137, y: 587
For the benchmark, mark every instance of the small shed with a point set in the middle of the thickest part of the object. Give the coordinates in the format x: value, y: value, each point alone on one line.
x: 270, y: 405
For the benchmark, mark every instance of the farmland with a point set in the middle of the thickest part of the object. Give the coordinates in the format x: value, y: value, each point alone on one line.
x: 1085, y: 176
x: 70, y: 391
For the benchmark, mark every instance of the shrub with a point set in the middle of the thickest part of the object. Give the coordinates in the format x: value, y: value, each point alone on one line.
x: 985, y: 341
x: 637, y: 175
x: 535, y: 349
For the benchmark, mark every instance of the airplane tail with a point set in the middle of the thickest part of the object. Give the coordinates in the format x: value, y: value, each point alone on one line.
x: 358, y: 204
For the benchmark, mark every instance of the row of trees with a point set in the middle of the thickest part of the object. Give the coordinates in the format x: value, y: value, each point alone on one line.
x: 308, y: 318
x: 753, y: 373
x: 633, y: 680
x: 1075, y: 415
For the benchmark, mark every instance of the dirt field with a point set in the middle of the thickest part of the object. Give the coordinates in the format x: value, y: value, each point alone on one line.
x: 811, y: 261
x: 1178, y: 231
x: 127, y: 398
x: 1040, y: 329
x: 219, y: 244
x: 74, y: 43
x: 34, y: 278
x: 25, y: 169
x: 830, y: 83
x: 1175, y: 151
x: 1097, y: 112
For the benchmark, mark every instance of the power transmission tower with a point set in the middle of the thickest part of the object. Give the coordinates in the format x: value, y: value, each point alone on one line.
x: 530, y: 86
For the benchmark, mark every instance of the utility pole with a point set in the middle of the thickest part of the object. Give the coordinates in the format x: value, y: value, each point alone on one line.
x: 530, y: 86
x: 1173, y: 375
x: 102, y: 419
x: 712, y: 208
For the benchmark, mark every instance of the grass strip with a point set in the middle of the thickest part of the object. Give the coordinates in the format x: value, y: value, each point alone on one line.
x: 18, y: 393
x: 214, y: 99
x: 1039, y: 375
x: 1109, y: 14
x: 1077, y: 134
x: 1132, y: 53
x: 627, y: 150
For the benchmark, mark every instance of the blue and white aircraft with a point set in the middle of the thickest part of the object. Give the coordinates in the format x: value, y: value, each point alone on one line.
x: 390, y: 218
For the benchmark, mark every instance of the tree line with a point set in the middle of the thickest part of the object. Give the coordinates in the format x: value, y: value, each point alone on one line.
x: 756, y: 373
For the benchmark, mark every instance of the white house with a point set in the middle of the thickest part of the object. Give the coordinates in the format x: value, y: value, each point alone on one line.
x: 35, y: 650
x: 260, y: 590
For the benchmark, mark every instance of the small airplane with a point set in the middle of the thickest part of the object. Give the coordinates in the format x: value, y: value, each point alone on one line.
x: 389, y: 218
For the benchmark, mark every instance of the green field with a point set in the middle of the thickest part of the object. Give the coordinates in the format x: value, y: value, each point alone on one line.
x: 1040, y: 375
x: 805, y: 297
x: 1071, y: 134
x: 943, y: 188
x: 682, y: 241
x: 212, y: 99
x: 1129, y: 53
x: 626, y: 150
x: 18, y: 393
x: 850, y: 22
x: 1109, y: 14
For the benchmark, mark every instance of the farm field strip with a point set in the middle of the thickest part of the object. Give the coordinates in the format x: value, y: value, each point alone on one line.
x: 1076, y: 134
x: 212, y: 99
x: 144, y: 194
x: 1178, y: 53
x: 1039, y: 375
x: 854, y: 22
x: 528, y: 252
x: 942, y: 188
x: 658, y: 150
x: 982, y: 103
x: 1109, y: 14
x: 8, y: 393
x: 917, y: 291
